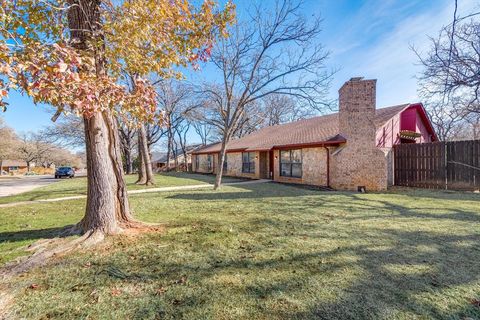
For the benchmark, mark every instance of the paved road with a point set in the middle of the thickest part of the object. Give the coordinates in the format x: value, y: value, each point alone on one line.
x: 12, y: 186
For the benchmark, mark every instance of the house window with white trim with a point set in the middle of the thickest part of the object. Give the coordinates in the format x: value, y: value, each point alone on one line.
x: 291, y: 163
x: 248, y: 162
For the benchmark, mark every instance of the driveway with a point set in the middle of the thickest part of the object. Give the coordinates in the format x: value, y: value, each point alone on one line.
x: 15, y: 185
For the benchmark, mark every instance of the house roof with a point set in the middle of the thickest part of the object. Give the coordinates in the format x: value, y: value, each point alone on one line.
x: 317, y: 130
x: 161, y: 157
x: 13, y: 163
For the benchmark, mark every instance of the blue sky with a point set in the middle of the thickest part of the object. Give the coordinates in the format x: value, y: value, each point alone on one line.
x: 370, y: 38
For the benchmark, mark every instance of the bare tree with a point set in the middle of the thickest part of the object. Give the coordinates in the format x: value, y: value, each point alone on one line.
x: 446, y: 117
x: 32, y: 148
x: 251, y: 120
x: 8, y: 141
x: 203, y: 129
x: 182, y: 130
x: 127, y: 142
x: 146, y: 170
x: 280, y: 109
x: 175, y: 100
x: 67, y: 131
x: 276, y: 52
x: 451, y: 67
x: 469, y: 128
x: 59, y: 157
x: 155, y: 132
x: 142, y: 170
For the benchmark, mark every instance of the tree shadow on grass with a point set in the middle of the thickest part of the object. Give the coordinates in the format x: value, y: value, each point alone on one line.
x: 372, y: 271
x: 415, y: 211
x: 47, y: 233
x: 250, y: 191
x: 388, y: 271
x: 40, y: 195
x: 393, y: 279
x: 202, y: 177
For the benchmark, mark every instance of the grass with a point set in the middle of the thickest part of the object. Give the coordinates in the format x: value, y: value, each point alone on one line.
x: 265, y: 251
x: 78, y: 186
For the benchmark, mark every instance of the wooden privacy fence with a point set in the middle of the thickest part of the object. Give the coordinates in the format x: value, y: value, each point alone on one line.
x: 440, y: 165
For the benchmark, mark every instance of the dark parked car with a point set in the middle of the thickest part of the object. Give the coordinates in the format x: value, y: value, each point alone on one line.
x: 64, y: 172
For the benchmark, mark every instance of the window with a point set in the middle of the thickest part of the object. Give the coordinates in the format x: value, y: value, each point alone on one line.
x: 248, y: 162
x: 225, y: 163
x: 209, y: 162
x: 291, y: 163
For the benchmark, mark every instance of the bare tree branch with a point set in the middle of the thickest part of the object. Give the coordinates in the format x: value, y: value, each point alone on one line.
x: 276, y: 52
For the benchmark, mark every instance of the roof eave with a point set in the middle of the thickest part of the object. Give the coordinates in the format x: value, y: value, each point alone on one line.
x: 311, y: 144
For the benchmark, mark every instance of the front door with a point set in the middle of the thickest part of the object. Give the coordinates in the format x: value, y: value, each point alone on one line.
x: 264, y: 167
x: 271, y: 166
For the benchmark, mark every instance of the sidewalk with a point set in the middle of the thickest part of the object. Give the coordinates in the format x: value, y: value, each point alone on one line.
x: 152, y: 190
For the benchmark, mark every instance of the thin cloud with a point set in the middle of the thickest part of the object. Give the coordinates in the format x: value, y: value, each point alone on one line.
x: 389, y: 58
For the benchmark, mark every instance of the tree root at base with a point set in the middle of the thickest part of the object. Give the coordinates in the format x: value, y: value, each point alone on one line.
x: 145, y: 183
x: 44, y: 250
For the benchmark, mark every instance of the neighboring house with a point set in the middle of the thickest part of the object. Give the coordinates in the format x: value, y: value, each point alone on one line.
x: 13, y: 167
x: 345, y: 150
x: 176, y: 159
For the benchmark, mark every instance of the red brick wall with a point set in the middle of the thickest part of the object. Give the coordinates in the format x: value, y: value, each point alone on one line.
x: 359, y: 162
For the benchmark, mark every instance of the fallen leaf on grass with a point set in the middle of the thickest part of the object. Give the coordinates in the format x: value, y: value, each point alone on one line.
x: 161, y: 290
x: 34, y: 286
x: 475, y: 302
x: 115, y: 292
x: 182, y: 280
x: 94, y: 295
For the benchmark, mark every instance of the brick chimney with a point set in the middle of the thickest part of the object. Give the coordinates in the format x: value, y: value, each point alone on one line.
x: 357, y: 110
x: 359, y: 163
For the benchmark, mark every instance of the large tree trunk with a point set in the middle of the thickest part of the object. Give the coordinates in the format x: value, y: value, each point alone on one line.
x: 128, y: 161
x: 143, y: 147
x: 185, y: 159
x: 169, y: 146
x: 175, y: 155
x: 107, y: 202
x: 218, y: 177
x: 127, y: 152
x: 142, y: 175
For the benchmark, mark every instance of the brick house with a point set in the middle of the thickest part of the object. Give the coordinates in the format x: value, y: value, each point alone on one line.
x: 345, y: 150
x: 13, y: 167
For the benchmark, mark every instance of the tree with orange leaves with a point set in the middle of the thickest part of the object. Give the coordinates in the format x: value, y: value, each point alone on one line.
x: 72, y: 54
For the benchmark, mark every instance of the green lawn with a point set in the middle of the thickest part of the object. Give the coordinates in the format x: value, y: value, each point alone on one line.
x: 265, y: 251
x: 78, y: 186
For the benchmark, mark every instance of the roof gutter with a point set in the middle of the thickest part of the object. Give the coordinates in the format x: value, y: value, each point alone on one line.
x: 310, y: 144
x: 227, y: 151
x: 281, y: 147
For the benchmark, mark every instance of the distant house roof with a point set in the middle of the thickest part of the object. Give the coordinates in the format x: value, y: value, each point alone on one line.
x: 14, y: 163
x: 317, y: 130
x: 161, y: 157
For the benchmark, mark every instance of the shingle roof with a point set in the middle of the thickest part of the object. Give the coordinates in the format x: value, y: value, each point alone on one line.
x: 308, y: 131
x: 161, y: 157
x: 14, y: 163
